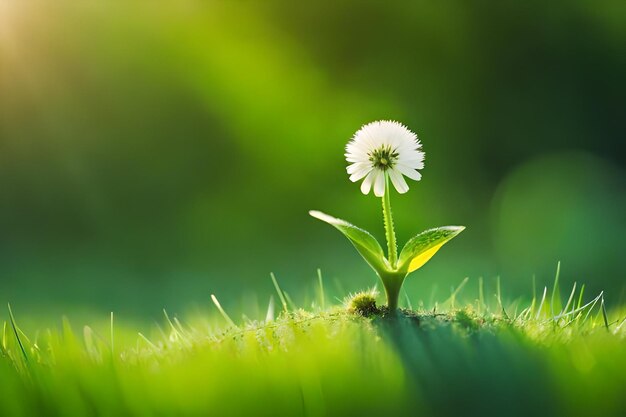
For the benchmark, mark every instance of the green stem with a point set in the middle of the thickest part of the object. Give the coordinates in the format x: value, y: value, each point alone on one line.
x: 390, y: 234
x: 392, y: 282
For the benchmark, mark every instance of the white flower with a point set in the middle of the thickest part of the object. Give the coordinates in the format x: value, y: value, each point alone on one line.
x: 384, y: 148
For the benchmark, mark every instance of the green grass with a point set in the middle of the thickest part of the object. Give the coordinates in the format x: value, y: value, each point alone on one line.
x: 551, y: 357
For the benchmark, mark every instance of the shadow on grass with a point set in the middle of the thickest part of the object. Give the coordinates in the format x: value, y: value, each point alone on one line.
x: 462, y: 368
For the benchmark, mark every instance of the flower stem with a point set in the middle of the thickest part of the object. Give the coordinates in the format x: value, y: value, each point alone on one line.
x: 392, y: 282
x: 390, y: 234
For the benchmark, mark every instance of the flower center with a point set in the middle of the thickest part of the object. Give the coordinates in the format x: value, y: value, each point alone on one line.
x: 383, y: 158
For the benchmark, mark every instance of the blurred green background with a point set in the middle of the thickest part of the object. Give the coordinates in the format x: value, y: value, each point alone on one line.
x: 153, y: 153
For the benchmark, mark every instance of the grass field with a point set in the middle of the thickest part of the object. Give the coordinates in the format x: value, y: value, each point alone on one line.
x: 552, y: 357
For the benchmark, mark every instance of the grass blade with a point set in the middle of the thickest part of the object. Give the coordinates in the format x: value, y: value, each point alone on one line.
x: 481, y: 295
x: 270, y: 310
x: 455, y: 292
x: 604, y: 315
x: 408, y: 300
x: 321, y: 284
x: 221, y: 310
x: 3, y: 345
x: 112, y: 340
x: 499, y: 298
x: 290, y: 302
x: 534, y: 302
x: 556, y: 296
x: 145, y: 339
x: 580, y: 297
x: 16, y: 332
x: 283, y: 300
x: 593, y: 304
x: 569, y: 300
x: 543, y: 299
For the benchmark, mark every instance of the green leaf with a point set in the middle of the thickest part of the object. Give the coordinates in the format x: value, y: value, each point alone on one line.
x: 364, y: 242
x: 419, y: 249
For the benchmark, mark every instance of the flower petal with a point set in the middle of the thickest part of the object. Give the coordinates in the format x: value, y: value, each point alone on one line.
x: 355, y: 158
x: 398, y: 181
x: 367, y: 182
x: 357, y: 166
x: 379, y: 185
x: 409, y: 172
x: 416, y: 162
x: 357, y: 175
